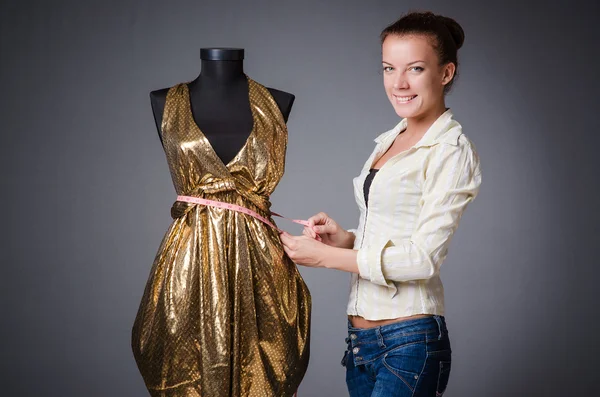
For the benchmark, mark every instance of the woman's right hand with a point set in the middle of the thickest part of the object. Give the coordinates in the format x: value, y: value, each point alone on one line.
x: 329, y: 231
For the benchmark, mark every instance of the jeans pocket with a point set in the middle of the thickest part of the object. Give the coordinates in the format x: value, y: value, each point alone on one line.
x: 406, y: 363
x: 443, y: 377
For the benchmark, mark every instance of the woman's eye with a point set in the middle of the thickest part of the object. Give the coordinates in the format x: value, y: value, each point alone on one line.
x: 387, y: 68
x: 416, y: 69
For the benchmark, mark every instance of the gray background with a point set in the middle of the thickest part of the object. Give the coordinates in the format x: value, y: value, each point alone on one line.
x: 86, y: 191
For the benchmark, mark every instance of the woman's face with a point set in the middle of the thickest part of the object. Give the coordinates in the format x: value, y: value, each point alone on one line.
x: 413, y: 79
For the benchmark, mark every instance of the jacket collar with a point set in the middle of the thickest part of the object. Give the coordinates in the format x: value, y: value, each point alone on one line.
x: 443, y: 130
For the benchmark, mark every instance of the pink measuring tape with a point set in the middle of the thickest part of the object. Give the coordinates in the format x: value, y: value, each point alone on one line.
x: 237, y: 208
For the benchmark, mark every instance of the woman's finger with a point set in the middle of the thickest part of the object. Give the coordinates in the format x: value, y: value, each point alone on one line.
x: 287, y: 251
x: 325, y: 229
x: 286, y: 239
x: 309, y: 232
x: 318, y: 219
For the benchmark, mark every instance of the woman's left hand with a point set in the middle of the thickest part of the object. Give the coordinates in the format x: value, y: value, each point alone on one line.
x: 304, y: 250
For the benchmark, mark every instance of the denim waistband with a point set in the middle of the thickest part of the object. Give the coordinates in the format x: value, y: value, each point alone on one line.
x: 431, y: 324
x: 368, y: 344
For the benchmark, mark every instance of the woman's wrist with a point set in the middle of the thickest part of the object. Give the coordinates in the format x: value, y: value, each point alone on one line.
x: 348, y: 239
x: 340, y: 259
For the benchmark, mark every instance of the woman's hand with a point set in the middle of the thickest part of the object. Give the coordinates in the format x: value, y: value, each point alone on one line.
x: 304, y: 250
x: 307, y: 251
x: 329, y: 231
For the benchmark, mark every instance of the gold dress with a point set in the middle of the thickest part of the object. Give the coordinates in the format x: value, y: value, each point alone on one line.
x: 225, y: 312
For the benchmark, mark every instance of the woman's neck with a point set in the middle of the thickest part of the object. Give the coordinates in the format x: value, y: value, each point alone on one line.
x: 418, y: 126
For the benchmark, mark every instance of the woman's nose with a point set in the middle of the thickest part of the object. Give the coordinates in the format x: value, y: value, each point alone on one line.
x: 400, y: 83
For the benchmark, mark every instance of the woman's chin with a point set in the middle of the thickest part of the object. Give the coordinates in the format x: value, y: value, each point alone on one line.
x: 406, y: 110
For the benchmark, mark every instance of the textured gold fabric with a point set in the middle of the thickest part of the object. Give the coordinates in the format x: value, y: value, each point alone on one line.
x: 225, y: 312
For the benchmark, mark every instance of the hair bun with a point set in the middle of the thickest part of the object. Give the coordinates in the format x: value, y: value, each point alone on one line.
x: 456, y: 31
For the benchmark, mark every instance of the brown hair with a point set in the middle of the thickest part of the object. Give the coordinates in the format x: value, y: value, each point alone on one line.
x: 448, y: 36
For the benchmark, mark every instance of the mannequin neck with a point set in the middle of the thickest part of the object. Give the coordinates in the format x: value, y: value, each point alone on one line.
x: 221, y: 68
x: 222, y: 72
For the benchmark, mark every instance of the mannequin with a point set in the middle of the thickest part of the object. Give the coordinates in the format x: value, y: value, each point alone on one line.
x: 219, y: 100
x: 224, y: 312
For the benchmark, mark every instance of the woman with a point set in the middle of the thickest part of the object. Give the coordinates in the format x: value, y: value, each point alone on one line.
x: 412, y: 192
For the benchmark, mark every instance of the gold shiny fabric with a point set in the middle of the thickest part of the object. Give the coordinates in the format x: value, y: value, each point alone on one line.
x: 225, y: 312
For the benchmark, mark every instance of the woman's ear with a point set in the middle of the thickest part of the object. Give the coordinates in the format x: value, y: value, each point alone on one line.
x: 448, y: 73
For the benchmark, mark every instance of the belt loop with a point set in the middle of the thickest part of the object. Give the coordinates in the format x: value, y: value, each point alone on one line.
x: 380, y: 341
x: 438, y: 320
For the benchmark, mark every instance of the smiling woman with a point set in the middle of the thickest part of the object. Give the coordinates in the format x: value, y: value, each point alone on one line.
x: 412, y: 192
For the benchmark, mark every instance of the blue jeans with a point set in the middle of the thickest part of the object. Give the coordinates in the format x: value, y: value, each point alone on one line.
x: 408, y: 358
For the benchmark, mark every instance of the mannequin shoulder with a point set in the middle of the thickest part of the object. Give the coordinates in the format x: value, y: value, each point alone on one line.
x: 158, y: 98
x: 284, y: 100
